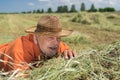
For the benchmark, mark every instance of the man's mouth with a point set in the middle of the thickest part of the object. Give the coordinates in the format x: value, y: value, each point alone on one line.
x: 53, y: 48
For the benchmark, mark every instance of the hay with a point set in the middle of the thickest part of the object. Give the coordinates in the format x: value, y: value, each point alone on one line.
x: 93, y: 19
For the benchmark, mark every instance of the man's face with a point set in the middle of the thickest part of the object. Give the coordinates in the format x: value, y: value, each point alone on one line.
x: 48, y: 45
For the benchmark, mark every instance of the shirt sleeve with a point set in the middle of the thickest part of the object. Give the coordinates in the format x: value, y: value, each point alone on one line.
x: 63, y: 46
x: 15, y: 56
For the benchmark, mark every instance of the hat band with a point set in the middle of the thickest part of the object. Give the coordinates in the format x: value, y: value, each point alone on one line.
x: 47, y: 29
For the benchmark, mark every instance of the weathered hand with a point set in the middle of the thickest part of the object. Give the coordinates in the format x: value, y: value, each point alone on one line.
x: 68, y: 54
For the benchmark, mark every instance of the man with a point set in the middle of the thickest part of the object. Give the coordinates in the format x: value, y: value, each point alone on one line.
x: 42, y: 43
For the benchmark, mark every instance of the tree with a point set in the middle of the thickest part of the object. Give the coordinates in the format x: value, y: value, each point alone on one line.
x: 101, y: 10
x: 65, y: 8
x: 34, y: 11
x: 82, y: 7
x: 29, y: 11
x: 92, y: 9
x: 38, y: 11
x: 59, y: 9
x: 73, y: 8
x: 49, y: 10
x: 62, y: 9
x: 22, y: 12
x: 42, y: 11
x: 109, y: 9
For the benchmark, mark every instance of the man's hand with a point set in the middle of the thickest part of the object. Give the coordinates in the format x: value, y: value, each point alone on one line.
x: 68, y: 54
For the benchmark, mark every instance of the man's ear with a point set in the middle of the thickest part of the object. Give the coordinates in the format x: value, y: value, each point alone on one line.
x: 35, y: 34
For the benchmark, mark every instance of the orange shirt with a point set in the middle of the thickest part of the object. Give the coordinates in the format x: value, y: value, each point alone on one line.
x: 21, y: 52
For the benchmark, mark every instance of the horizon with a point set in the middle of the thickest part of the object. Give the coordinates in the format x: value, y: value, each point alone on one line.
x: 9, y: 6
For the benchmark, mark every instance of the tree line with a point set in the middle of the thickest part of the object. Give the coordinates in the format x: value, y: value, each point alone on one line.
x: 65, y: 9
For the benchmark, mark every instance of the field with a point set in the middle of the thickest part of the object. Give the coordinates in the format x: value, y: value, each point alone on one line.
x: 96, y: 39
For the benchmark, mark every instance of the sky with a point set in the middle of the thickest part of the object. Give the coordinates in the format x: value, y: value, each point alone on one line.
x: 28, y: 5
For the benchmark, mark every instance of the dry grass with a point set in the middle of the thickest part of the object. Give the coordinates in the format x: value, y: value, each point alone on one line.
x: 90, y: 64
x: 98, y: 57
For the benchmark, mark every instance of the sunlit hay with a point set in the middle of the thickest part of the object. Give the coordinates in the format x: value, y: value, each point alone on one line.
x: 82, y: 18
x: 112, y: 16
x: 77, y: 38
x: 111, y: 56
x: 102, y: 64
x: 14, y: 73
x: 90, y: 64
x: 93, y: 19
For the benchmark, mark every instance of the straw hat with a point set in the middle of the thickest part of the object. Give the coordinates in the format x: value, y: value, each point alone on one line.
x: 49, y: 25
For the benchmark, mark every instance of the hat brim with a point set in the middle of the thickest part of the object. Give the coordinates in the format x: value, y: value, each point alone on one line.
x: 62, y: 33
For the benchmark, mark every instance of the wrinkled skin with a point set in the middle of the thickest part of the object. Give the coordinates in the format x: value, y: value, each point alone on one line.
x: 49, y: 46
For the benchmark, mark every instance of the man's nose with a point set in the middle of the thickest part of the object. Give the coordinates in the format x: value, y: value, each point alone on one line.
x: 56, y: 41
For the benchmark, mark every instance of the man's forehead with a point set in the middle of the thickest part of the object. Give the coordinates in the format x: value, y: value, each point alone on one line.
x: 47, y: 36
x: 52, y: 36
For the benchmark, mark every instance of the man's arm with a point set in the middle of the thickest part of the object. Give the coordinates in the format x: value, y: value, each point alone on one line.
x: 15, y: 56
x: 66, y: 51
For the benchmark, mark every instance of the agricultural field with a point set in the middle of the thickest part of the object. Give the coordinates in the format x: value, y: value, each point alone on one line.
x: 96, y: 39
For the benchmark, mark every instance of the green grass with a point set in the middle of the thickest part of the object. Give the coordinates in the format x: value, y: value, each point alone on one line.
x: 90, y: 64
x: 95, y: 38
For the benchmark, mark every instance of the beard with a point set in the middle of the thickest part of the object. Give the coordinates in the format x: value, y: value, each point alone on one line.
x: 50, y: 52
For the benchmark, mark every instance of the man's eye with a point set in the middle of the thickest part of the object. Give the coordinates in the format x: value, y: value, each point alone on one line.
x: 58, y: 38
x: 54, y: 38
x: 50, y: 38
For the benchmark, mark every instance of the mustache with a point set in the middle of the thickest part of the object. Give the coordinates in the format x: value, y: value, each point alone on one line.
x: 54, y: 46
